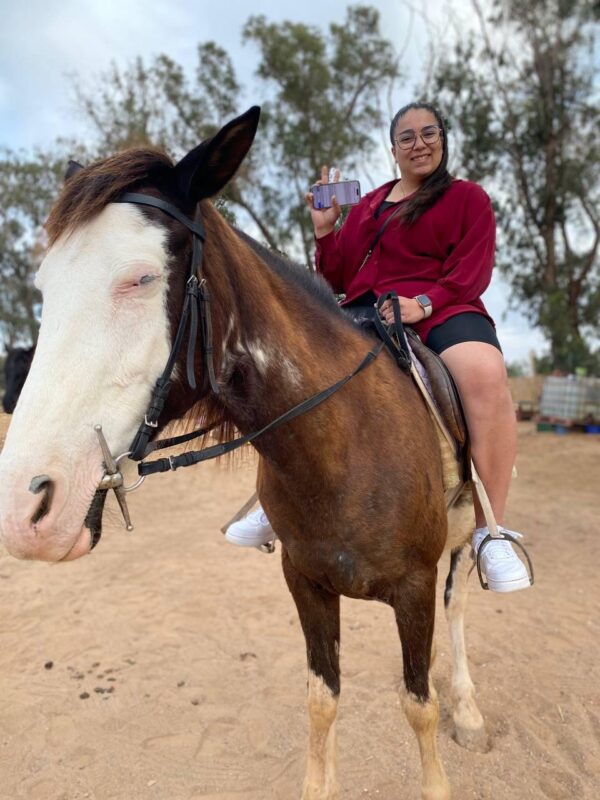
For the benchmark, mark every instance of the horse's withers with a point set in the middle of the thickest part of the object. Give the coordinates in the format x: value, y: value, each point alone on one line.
x: 104, y: 338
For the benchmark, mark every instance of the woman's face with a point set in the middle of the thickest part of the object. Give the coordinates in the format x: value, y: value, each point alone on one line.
x: 421, y: 159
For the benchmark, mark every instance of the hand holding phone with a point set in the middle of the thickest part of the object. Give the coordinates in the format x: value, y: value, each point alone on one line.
x: 325, y: 217
x: 347, y: 193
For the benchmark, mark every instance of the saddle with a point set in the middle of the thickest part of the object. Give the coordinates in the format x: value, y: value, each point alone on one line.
x: 433, y: 380
x: 443, y: 388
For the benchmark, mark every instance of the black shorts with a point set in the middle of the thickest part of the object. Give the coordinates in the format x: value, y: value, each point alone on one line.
x: 466, y: 327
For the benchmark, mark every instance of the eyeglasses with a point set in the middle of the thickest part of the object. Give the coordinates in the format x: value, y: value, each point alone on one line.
x: 407, y: 139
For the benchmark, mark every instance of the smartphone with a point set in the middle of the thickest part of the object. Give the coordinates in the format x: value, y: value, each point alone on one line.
x: 346, y: 192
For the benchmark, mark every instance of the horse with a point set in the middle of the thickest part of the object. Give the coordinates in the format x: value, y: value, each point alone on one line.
x: 353, y: 487
x: 16, y: 368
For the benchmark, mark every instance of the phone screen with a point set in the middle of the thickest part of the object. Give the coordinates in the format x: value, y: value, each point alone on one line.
x: 346, y: 192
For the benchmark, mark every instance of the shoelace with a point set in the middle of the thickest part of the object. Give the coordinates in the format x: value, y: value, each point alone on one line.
x: 500, y: 549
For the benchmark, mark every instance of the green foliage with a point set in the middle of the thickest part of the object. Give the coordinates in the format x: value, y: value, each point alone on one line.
x: 27, y: 187
x: 322, y: 108
x: 158, y: 104
x: 523, y: 100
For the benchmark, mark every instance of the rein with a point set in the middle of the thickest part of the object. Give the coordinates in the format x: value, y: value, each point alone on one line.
x: 196, y: 309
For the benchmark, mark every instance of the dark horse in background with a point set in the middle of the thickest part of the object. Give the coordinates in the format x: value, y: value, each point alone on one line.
x: 354, y: 487
x: 16, y: 369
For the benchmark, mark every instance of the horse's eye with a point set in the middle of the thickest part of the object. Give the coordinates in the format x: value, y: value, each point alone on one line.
x: 147, y: 279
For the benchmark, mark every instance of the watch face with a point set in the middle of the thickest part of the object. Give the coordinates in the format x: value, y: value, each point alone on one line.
x: 423, y: 299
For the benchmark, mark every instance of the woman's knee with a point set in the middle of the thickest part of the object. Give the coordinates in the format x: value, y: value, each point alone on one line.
x: 478, y: 370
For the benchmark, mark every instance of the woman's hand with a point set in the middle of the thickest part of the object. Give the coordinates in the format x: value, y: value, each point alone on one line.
x: 410, y: 310
x: 324, y: 219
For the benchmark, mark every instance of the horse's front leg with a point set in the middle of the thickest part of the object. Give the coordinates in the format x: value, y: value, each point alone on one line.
x: 414, y: 606
x: 469, y: 728
x: 319, y: 613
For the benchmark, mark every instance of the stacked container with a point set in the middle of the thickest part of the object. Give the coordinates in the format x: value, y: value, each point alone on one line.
x: 571, y: 400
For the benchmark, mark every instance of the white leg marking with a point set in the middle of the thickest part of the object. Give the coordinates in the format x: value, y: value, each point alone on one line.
x: 469, y: 726
x: 423, y: 719
x: 321, y: 769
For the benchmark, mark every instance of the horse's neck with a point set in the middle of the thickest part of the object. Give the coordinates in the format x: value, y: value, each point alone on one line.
x: 275, y: 345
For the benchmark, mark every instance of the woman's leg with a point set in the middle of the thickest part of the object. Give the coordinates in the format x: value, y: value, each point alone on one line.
x: 480, y: 374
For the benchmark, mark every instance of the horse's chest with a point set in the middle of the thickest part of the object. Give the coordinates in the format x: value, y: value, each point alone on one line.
x: 333, y: 566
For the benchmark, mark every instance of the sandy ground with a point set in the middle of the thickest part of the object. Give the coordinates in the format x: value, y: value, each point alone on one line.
x: 170, y: 665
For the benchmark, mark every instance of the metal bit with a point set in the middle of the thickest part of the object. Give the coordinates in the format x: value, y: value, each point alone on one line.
x: 113, y: 478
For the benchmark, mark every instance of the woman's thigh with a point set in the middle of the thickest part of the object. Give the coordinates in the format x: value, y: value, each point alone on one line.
x: 465, y: 327
x: 468, y: 345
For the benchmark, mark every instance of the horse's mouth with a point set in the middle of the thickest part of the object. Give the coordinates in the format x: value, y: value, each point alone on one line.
x: 93, y: 519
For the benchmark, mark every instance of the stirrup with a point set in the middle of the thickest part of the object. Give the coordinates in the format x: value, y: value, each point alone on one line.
x: 267, y: 547
x: 509, y: 538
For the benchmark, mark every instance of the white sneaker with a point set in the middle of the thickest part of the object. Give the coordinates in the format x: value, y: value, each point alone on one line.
x: 254, y: 530
x: 504, y: 571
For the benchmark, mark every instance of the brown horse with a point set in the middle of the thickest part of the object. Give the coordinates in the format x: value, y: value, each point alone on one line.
x: 354, y: 488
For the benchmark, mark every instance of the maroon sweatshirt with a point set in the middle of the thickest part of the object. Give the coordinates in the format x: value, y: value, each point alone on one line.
x: 447, y: 254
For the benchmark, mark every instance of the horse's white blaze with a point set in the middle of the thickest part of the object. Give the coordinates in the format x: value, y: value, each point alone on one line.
x: 104, y: 339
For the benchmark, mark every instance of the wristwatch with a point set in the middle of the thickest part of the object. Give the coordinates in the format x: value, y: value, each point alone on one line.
x: 425, y: 304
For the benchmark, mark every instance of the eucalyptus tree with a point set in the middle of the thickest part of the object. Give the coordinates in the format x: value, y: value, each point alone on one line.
x: 522, y: 96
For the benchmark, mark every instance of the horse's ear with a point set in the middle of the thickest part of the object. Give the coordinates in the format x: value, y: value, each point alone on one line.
x: 206, y: 169
x: 72, y: 168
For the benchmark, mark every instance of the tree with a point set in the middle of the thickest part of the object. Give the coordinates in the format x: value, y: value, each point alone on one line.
x: 324, y: 106
x: 27, y: 186
x: 158, y: 104
x: 524, y: 100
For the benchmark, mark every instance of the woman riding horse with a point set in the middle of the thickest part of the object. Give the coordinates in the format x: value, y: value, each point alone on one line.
x: 136, y: 254
x: 437, y: 253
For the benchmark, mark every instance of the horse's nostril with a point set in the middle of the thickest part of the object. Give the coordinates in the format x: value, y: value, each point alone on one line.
x: 42, y: 483
x: 38, y: 483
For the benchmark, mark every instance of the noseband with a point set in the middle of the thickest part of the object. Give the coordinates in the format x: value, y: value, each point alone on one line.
x: 196, y: 307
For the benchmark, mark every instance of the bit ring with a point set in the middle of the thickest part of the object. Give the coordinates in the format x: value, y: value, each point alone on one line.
x: 139, y: 481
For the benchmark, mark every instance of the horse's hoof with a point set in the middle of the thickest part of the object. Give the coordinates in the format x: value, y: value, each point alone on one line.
x: 474, y: 739
x: 321, y: 793
x: 440, y: 792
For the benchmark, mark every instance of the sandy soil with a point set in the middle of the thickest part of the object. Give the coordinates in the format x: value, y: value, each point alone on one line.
x: 170, y: 665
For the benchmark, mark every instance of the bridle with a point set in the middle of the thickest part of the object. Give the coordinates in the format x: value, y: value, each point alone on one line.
x: 196, y: 309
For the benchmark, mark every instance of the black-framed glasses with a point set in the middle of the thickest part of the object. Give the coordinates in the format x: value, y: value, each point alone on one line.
x: 430, y: 134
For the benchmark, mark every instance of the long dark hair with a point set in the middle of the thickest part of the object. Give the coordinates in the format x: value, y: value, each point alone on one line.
x: 434, y: 185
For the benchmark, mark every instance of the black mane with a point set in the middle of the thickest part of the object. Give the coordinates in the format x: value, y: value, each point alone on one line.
x: 290, y: 271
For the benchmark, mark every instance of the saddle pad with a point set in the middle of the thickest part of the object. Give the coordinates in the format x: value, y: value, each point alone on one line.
x: 441, y: 386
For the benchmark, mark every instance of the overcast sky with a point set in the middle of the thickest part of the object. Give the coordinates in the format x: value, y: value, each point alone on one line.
x: 44, y: 42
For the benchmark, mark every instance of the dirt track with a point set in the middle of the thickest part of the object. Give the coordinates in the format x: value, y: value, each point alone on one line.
x: 193, y: 660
